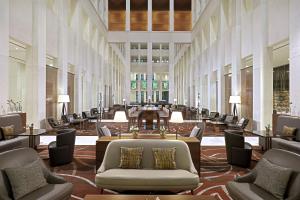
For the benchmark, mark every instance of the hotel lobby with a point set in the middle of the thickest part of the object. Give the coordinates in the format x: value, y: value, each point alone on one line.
x: 149, y: 99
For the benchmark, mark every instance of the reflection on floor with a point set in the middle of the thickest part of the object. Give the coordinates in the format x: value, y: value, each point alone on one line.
x: 206, y: 141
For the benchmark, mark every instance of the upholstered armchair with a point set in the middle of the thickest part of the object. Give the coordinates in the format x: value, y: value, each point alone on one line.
x: 61, y: 151
x: 204, y: 112
x: 55, y: 124
x: 238, y: 151
x: 241, y: 125
x: 56, y: 189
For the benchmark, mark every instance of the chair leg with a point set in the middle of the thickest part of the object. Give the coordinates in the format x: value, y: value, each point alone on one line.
x: 101, y: 190
x: 192, y: 192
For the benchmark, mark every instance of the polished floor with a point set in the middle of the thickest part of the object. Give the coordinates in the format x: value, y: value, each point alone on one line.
x: 206, y: 141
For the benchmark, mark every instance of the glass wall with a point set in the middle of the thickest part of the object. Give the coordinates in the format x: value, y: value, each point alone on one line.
x: 281, y: 102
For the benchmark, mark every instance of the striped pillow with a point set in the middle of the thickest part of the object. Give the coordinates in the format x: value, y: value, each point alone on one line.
x: 164, y: 158
x: 131, y: 158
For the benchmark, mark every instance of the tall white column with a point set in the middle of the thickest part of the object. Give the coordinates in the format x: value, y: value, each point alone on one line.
x: 62, y: 59
x: 149, y: 70
x: 262, y: 69
x: 35, y: 105
x: 171, y: 17
x: 171, y: 72
x: 294, y: 56
x: 149, y: 15
x: 4, y: 54
x: 236, y: 53
x: 127, y: 19
x: 127, y: 72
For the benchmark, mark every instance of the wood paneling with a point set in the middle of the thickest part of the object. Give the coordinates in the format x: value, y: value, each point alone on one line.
x: 117, y: 20
x: 160, y: 20
x: 182, y: 21
x: 51, y: 92
x: 138, y: 20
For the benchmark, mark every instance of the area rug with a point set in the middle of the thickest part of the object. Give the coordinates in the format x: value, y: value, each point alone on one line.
x: 215, y: 172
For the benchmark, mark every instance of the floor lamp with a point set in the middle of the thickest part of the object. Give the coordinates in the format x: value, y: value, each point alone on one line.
x: 63, y: 98
x: 120, y: 116
x: 234, y: 100
x: 176, y: 118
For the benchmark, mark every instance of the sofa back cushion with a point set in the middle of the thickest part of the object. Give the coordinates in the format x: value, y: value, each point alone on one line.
x: 12, y: 119
x: 290, y: 122
x: 182, y: 156
x: 11, y: 159
x: 290, y: 160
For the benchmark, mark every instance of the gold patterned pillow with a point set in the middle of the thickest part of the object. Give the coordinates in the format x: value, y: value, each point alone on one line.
x: 164, y: 158
x: 8, y: 132
x: 289, y: 131
x: 131, y: 158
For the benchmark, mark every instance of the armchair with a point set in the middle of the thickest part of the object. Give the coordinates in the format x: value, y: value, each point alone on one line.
x: 238, y: 151
x: 241, y: 125
x: 61, y: 151
x: 55, y: 124
x: 56, y: 189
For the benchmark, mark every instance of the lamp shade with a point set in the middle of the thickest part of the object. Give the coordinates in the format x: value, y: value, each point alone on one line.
x: 63, y: 98
x: 235, y: 99
x: 176, y: 117
x: 120, y: 116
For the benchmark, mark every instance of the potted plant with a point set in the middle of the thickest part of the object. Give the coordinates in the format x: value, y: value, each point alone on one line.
x: 163, y: 132
x: 134, y: 130
x: 268, y: 128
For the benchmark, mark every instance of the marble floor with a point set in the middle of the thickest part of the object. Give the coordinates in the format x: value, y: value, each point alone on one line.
x: 91, y: 140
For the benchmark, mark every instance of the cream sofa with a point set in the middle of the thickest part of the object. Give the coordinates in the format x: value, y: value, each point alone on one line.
x: 110, y: 176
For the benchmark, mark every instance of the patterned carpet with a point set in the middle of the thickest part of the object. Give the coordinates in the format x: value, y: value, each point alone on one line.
x: 215, y: 171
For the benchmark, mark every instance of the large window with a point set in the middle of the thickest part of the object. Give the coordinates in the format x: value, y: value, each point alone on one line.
x: 247, y: 94
x: 51, y: 91
x: 281, y: 89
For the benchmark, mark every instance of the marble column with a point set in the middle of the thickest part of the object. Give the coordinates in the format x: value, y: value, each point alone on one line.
x: 294, y: 35
x: 262, y: 69
x: 62, y: 58
x: 149, y: 15
x: 4, y: 55
x: 149, y: 70
x: 127, y: 73
x: 35, y: 105
x: 171, y: 72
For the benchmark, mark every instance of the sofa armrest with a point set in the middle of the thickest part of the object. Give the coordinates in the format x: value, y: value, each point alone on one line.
x: 247, y: 178
x: 54, y: 179
x: 101, y: 168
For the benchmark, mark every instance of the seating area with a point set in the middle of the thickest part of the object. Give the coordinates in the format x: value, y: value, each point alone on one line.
x: 149, y: 100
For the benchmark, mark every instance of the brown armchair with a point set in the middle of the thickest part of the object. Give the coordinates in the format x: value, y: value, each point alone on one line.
x: 238, y: 151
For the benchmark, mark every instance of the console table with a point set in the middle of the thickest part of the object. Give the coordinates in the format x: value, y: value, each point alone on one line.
x: 192, y: 142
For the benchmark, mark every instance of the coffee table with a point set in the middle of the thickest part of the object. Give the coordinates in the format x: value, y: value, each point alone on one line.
x: 267, y: 137
x: 33, y: 135
x: 149, y: 197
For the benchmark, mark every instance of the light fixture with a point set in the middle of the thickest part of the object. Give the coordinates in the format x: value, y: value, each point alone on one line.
x: 63, y: 98
x: 234, y: 100
x: 176, y: 118
x: 120, y: 117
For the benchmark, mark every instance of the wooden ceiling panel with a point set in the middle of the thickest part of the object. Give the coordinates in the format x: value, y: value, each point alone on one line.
x: 160, y: 5
x: 182, y: 5
x: 116, y: 20
x: 182, y: 21
x: 160, y: 20
x: 138, y: 20
x: 138, y: 5
x: 116, y: 5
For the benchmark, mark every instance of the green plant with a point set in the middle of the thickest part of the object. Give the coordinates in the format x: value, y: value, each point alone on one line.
x: 268, y: 127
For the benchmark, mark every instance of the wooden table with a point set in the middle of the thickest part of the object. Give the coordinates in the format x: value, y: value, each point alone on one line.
x: 149, y: 114
x: 266, y: 137
x: 192, y: 142
x: 149, y: 197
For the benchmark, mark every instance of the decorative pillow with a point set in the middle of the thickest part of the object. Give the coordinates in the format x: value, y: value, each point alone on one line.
x: 272, y: 178
x: 8, y: 132
x: 164, y: 158
x: 131, y: 158
x: 195, y: 131
x: 25, y: 179
x: 289, y: 131
x: 105, y: 131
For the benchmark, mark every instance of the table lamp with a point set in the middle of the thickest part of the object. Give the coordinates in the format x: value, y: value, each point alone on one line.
x: 63, y: 98
x: 176, y: 117
x: 120, y: 116
x: 234, y: 100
